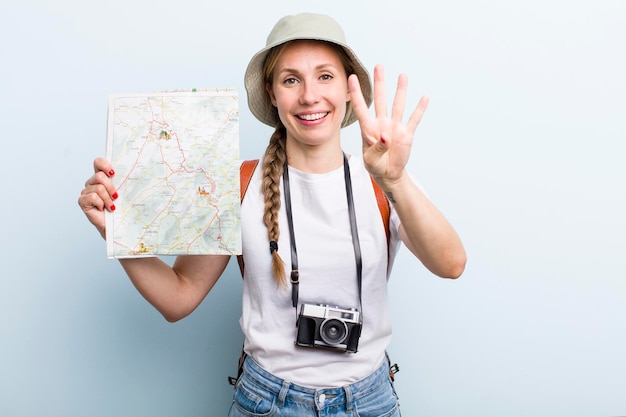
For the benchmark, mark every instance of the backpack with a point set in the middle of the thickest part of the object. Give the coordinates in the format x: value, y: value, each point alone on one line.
x: 245, y: 176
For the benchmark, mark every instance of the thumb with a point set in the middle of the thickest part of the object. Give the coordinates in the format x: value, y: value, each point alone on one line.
x: 375, y: 156
x: 377, y: 149
x: 383, y: 142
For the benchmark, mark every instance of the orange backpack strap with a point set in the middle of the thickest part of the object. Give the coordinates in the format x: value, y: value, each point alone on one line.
x: 383, y: 207
x: 245, y: 176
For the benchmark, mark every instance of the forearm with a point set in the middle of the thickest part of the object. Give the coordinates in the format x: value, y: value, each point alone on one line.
x: 175, y: 291
x: 424, y: 229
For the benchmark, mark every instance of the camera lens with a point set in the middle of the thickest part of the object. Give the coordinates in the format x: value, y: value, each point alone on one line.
x: 333, y: 331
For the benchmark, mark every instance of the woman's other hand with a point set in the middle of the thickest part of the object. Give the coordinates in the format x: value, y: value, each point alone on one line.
x: 99, y: 194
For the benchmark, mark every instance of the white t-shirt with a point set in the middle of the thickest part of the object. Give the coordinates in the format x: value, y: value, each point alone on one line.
x: 327, y: 276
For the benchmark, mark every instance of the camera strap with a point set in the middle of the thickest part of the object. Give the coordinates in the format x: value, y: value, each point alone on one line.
x: 295, y: 274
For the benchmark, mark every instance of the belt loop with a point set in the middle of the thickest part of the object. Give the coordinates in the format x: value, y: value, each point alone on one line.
x: 348, y: 391
x: 282, y: 395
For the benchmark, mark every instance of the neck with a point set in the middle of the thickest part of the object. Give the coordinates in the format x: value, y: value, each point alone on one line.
x: 315, y: 160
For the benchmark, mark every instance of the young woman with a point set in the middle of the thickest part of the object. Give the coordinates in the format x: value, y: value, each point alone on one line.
x: 315, y: 339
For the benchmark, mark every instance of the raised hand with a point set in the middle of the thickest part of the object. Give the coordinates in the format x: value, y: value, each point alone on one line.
x: 387, y: 140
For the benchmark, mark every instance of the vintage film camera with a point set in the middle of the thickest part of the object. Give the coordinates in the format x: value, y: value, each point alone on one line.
x: 328, y: 327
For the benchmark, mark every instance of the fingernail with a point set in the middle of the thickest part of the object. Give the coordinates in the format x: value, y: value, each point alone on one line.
x: 382, y: 139
x: 111, y: 173
x: 114, y: 196
x: 112, y: 208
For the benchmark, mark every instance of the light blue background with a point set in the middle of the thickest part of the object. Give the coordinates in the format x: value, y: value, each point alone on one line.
x: 522, y: 148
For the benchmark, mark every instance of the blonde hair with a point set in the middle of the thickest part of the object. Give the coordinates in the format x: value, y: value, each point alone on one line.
x: 275, y: 158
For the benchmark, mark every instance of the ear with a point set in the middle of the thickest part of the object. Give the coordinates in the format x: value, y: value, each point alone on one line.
x: 270, y: 92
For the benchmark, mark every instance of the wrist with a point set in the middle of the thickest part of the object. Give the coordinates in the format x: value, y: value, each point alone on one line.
x: 394, y: 187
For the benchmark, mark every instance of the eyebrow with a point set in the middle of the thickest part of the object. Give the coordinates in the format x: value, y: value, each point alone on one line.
x: 317, y: 68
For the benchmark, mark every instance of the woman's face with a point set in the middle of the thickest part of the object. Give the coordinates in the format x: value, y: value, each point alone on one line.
x: 310, y: 90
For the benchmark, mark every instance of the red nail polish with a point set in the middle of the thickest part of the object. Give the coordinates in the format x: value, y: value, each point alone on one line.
x: 111, y: 173
x: 112, y: 208
x: 383, y: 140
x: 114, y: 196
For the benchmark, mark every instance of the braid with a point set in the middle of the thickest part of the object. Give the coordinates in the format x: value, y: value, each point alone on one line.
x: 273, y: 166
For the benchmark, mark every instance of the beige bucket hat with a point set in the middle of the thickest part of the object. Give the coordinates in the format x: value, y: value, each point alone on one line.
x: 301, y: 26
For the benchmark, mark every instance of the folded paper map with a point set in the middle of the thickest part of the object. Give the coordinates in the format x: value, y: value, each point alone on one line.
x: 176, y: 161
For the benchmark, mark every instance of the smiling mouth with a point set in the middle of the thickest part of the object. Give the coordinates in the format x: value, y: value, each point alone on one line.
x: 312, y: 117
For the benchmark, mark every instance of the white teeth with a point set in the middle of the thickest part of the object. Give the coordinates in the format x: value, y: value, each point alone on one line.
x: 314, y: 116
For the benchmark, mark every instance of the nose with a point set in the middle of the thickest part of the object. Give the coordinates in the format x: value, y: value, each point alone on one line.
x: 309, y: 93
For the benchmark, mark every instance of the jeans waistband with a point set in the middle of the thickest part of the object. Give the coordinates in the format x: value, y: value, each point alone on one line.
x: 284, y: 389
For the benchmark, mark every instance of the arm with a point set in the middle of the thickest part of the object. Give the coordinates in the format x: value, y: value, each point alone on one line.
x: 174, y: 291
x: 425, y: 231
x: 387, y: 144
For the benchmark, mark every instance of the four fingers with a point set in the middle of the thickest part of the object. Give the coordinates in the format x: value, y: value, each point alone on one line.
x: 380, y: 103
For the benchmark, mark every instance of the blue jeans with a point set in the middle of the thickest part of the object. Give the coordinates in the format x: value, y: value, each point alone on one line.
x: 259, y: 393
